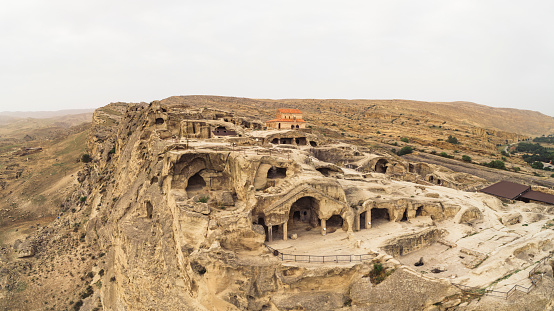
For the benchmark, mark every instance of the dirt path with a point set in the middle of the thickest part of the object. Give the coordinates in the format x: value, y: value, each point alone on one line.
x: 489, y: 174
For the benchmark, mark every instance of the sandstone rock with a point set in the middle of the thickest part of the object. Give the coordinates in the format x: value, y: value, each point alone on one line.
x: 432, y: 195
x: 320, y: 301
x: 201, y: 208
x: 224, y: 198
x: 359, y: 290
x: 511, y: 219
x: 16, y: 244
x: 259, y: 229
x: 468, y: 214
x: 212, y: 225
x: 26, y: 249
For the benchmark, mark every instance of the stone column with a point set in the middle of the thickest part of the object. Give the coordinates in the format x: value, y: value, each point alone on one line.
x: 357, y: 221
x: 323, y: 227
x: 368, y: 219
x: 270, y: 233
x: 285, y: 231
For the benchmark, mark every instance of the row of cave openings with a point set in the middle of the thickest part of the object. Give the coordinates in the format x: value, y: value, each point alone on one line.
x: 300, y: 141
x: 292, y: 127
x: 303, y: 218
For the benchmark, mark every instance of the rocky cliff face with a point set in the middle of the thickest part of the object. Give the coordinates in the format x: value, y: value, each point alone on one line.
x: 172, y: 246
x: 177, y: 217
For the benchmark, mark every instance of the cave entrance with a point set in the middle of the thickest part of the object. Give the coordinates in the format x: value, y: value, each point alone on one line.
x: 195, y: 184
x: 313, y: 144
x: 419, y: 211
x: 286, y: 141
x: 324, y: 171
x: 149, y: 209
x: 405, y: 215
x: 303, y: 215
x: 296, y: 216
x: 275, y: 141
x: 381, y: 166
x: 335, y: 222
x: 363, y: 221
x: 411, y: 168
x: 159, y: 121
x: 379, y: 215
x: 261, y: 222
x: 301, y: 141
x: 276, y: 172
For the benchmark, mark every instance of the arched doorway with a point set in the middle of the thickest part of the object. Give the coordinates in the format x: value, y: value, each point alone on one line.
x: 303, y: 215
x: 276, y: 172
x: 363, y: 220
x: 334, y: 223
x: 381, y: 166
x: 195, y: 184
x: 379, y: 216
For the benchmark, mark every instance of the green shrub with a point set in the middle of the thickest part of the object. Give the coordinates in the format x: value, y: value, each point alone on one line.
x: 203, y: 199
x: 405, y: 150
x: 446, y: 155
x: 453, y: 140
x: 466, y: 158
x: 537, y: 165
x: 498, y: 164
x: 85, y: 158
x: 405, y: 139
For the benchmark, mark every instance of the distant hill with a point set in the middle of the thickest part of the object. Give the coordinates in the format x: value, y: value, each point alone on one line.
x: 391, y: 113
x: 43, y: 114
x: 41, y: 128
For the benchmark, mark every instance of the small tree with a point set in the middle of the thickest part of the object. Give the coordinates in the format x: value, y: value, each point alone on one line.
x: 496, y: 164
x: 453, y: 140
x: 405, y: 150
x: 466, y: 158
x: 537, y: 165
x: 86, y: 158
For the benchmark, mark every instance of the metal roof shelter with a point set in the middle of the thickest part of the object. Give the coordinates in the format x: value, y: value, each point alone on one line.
x: 507, y: 190
x: 538, y: 196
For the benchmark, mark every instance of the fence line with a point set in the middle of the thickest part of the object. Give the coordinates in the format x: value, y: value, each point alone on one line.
x: 533, y: 276
x: 319, y: 258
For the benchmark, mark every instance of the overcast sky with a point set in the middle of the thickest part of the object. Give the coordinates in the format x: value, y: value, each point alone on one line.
x: 61, y: 54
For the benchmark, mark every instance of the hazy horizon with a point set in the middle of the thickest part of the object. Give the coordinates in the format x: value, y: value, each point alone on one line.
x: 65, y: 55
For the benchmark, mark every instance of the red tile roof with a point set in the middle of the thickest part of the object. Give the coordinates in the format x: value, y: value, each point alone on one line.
x: 289, y: 111
x: 287, y: 120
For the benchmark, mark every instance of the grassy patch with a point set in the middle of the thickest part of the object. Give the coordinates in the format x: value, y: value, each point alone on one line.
x: 379, y: 273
